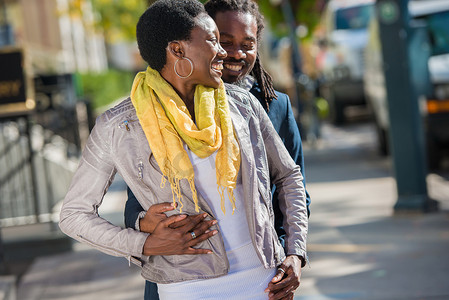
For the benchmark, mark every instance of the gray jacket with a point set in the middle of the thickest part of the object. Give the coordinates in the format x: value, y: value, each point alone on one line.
x: 118, y: 144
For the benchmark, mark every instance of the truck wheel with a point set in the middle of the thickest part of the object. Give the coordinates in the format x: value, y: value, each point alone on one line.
x: 382, y: 140
x: 336, y: 112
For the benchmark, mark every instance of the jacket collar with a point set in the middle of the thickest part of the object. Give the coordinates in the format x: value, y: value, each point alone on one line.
x: 246, y: 83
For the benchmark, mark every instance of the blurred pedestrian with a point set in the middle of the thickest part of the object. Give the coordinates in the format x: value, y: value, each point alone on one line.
x: 177, y: 127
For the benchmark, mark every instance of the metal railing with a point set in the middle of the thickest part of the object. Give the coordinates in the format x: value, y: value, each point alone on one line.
x: 17, y: 189
x: 35, y: 172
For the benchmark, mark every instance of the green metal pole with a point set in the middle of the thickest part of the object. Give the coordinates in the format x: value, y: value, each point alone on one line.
x: 406, y: 129
x: 304, y: 86
x: 296, y: 54
x: 291, y: 24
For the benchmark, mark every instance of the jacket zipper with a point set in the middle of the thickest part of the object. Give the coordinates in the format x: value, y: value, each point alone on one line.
x: 140, y: 169
x: 125, y: 124
x: 140, y: 174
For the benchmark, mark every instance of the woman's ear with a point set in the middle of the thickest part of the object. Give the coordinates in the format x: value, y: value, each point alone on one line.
x: 175, y: 49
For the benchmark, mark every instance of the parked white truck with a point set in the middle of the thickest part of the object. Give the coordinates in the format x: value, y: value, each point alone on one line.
x: 345, y: 24
x: 430, y: 64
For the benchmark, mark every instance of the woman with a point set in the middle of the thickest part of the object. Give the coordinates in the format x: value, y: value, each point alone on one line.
x: 185, y: 136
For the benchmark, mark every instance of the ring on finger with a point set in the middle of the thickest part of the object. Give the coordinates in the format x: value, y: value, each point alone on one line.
x: 193, y: 235
x: 281, y: 269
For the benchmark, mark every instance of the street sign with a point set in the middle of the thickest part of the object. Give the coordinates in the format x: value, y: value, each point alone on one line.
x: 388, y: 12
x: 13, y: 84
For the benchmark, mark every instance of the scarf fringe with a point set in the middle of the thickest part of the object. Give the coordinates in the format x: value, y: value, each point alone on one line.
x: 167, y: 123
x: 220, y: 190
x: 231, y: 197
x: 194, y: 194
x: 176, y: 191
x: 230, y: 191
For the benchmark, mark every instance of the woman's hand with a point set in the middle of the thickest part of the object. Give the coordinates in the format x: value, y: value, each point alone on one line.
x: 286, y: 280
x: 173, y: 235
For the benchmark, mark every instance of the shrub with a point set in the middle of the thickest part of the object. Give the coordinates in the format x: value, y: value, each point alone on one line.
x: 102, y: 89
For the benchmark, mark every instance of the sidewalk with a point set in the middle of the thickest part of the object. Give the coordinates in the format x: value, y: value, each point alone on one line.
x: 357, y: 248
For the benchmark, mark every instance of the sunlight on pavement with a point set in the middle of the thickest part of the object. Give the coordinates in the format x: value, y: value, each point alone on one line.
x: 343, y: 248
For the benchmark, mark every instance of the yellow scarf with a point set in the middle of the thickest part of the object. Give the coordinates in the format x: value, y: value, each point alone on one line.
x: 166, y: 120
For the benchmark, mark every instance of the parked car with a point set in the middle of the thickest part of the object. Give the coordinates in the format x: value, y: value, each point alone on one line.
x: 345, y: 28
x: 431, y: 50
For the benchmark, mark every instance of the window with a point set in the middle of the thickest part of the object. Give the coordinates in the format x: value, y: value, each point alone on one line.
x: 356, y: 17
x: 439, y: 32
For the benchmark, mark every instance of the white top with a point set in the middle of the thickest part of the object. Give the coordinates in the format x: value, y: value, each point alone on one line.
x: 247, y: 278
x: 233, y: 227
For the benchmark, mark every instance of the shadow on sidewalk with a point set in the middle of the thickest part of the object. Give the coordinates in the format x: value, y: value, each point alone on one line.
x: 391, y: 258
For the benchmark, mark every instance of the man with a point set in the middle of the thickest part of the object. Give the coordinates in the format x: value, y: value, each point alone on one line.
x: 240, y: 24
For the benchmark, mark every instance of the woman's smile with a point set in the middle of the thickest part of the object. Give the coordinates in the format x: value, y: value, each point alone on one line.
x: 217, y: 66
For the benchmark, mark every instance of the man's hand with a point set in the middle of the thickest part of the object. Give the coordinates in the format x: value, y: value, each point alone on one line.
x: 166, y: 240
x: 284, y: 284
x: 154, y: 215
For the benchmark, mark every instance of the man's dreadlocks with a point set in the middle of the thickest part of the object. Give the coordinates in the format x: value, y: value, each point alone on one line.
x: 247, y: 6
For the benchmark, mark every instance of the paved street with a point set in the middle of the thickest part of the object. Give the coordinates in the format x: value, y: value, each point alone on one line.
x: 357, y: 248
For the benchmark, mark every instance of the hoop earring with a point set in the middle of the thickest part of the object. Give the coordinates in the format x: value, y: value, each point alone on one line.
x: 191, y: 67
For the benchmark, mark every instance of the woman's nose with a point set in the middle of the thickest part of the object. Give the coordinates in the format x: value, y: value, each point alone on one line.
x: 222, y: 52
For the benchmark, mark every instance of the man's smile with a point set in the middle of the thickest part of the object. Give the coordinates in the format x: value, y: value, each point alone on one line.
x: 233, y: 67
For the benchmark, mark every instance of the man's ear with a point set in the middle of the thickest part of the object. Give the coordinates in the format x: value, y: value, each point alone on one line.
x: 175, y: 48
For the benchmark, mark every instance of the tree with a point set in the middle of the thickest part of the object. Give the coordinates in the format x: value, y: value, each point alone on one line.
x: 306, y: 12
x: 117, y: 19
